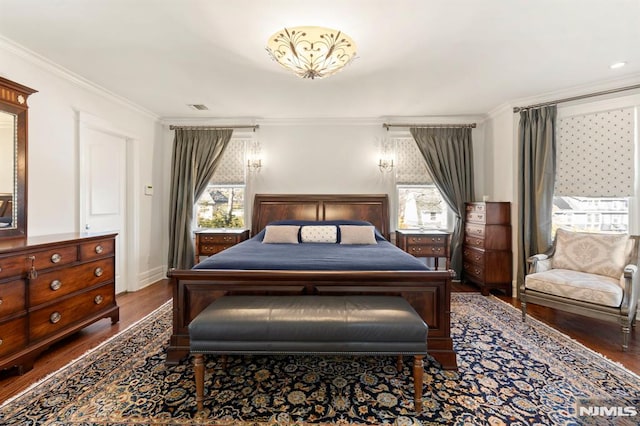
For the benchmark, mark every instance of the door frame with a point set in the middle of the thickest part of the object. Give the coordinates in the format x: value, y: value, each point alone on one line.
x: 129, y: 239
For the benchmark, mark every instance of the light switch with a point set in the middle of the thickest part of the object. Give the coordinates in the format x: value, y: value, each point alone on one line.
x: 148, y: 190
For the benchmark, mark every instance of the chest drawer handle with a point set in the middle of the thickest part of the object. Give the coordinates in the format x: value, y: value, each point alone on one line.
x: 0, y: 268
x: 98, y: 300
x: 98, y: 272
x: 0, y: 342
x: 1, y: 301
x: 99, y: 249
x: 55, y: 317
x: 55, y: 285
x: 55, y: 258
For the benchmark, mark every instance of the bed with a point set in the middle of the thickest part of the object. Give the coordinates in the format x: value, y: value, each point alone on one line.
x: 234, y: 271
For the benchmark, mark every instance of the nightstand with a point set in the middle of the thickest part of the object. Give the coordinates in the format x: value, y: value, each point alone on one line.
x: 424, y: 243
x: 212, y: 241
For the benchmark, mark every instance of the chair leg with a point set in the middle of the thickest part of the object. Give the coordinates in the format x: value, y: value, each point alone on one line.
x: 626, y: 330
x: 418, y: 372
x: 399, y: 363
x: 198, y: 364
x: 523, y: 306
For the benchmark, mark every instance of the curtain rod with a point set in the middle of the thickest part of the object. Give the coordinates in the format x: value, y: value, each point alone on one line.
x: 425, y: 126
x: 240, y: 126
x: 575, y: 98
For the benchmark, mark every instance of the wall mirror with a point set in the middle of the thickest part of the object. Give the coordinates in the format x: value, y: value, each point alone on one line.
x: 13, y: 159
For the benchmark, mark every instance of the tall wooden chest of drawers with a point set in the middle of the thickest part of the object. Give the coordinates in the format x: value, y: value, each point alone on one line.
x: 50, y: 287
x: 487, y: 256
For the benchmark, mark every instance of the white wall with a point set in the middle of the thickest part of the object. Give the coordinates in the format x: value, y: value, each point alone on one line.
x: 53, y: 205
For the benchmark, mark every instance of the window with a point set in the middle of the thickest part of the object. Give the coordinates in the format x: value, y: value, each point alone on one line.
x: 222, y: 204
x: 589, y: 214
x: 420, y: 205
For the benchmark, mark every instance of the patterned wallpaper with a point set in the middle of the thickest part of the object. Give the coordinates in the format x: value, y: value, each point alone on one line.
x: 595, y: 154
x: 231, y: 170
x: 411, y: 169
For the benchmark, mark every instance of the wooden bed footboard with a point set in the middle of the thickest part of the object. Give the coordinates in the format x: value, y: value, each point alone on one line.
x: 429, y: 292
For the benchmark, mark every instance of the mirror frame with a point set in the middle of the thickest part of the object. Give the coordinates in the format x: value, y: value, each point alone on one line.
x: 13, y: 99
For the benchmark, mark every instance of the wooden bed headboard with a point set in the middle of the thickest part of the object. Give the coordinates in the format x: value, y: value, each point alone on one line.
x: 373, y: 208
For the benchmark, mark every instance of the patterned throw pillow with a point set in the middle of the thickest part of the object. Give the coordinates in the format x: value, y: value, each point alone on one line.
x: 319, y: 234
x: 601, y: 254
x: 354, y: 234
x: 281, y: 234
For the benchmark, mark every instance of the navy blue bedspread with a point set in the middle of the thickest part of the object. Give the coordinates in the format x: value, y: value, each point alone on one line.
x: 253, y: 254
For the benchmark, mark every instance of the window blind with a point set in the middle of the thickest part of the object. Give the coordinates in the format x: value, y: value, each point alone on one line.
x: 595, y: 154
x: 410, y: 168
x: 231, y: 170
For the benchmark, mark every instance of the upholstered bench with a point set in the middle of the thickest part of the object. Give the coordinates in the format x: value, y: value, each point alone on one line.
x: 353, y: 325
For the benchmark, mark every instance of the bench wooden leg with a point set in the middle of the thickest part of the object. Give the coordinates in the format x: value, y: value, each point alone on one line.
x: 399, y: 363
x: 198, y: 365
x: 418, y: 372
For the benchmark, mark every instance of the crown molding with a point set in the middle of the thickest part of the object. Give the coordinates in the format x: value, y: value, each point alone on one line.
x: 75, y: 79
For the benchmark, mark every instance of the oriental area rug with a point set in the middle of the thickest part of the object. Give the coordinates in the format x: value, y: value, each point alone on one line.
x: 510, y: 373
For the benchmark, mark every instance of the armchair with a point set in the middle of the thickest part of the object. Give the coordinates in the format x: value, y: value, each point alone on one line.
x: 594, y: 275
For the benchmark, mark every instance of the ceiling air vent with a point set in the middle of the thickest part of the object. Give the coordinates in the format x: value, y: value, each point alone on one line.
x: 199, y: 107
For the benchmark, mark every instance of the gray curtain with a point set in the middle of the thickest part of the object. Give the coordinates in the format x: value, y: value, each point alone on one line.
x: 537, y: 163
x: 196, y: 154
x: 448, y: 153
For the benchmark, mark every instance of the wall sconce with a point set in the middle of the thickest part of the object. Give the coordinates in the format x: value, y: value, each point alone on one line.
x: 387, y: 154
x: 254, y: 162
x: 385, y: 165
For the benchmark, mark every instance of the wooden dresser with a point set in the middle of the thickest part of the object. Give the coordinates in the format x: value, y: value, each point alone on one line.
x: 427, y: 243
x: 213, y: 241
x: 487, y: 256
x: 50, y: 287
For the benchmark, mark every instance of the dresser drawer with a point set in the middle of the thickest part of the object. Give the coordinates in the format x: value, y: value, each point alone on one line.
x: 474, y: 242
x: 476, y: 217
x: 54, y: 318
x: 473, y: 271
x: 20, y: 264
x: 12, y: 297
x: 473, y: 255
x: 209, y: 249
x: 97, y: 249
x: 427, y: 240
x: 13, y: 335
x: 55, y: 284
x: 475, y: 208
x: 473, y: 230
x: 219, y: 238
x: 426, y: 250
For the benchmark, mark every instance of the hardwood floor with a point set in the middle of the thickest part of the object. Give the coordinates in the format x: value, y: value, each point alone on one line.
x: 602, y: 337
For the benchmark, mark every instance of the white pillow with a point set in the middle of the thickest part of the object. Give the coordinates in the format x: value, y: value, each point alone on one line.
x: 281, y: 234
x: 357, y: 234
x: 319, y: 234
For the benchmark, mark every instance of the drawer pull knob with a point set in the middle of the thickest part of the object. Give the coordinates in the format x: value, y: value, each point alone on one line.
x: 99, y: 249
x: 98, y: 272
x: 0, y: 342
x: 98, y: 299
x: 55, y: 285
x: 0, y: 268
x: 55, y: 317
x: 55, y: 258
x: 1, y: 301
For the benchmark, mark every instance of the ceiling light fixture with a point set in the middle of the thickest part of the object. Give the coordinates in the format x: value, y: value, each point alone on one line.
x: 617, y: 65
x: 311, y: 52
